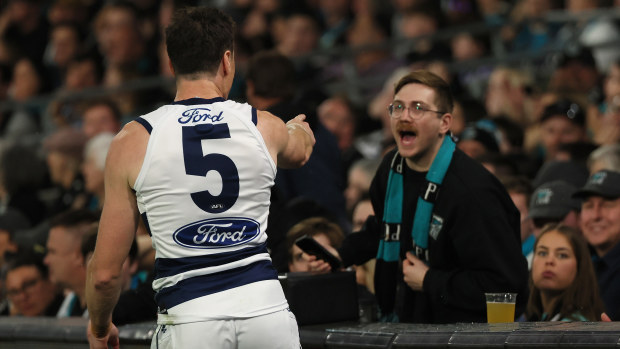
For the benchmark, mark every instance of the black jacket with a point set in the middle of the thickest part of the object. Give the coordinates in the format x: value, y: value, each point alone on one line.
x: 477, y: 249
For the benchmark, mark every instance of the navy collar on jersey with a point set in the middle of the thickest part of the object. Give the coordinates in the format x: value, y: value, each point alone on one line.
x: 196, y: 100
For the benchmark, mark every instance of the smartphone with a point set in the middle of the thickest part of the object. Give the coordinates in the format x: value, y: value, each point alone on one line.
x: 312, y: 247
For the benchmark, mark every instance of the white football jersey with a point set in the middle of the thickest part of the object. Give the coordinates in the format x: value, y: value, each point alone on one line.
x: 203, y: 192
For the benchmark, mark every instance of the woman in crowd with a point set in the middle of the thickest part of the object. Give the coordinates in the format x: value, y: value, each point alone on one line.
x: 563, y: 285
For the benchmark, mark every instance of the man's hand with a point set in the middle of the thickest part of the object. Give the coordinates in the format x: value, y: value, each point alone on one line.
x: 319, y: 266
x: 111, y: 338
x: 605, y: 317
x: 414, y: 271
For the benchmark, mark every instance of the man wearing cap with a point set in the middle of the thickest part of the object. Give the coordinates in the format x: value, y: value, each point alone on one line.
x: 600, y: 223
x: 561, y: 122
x: 551, y: 202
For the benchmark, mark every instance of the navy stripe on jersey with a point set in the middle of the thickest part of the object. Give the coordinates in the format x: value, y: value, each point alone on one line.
x: 196, y: 100
x: 165, y: 267
x: 203, y: 285
x: 144, y: 123
x: 254, y: 116
x: 146, y: 223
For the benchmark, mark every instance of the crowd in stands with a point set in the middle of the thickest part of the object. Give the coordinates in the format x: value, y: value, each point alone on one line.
x: 538, y: 103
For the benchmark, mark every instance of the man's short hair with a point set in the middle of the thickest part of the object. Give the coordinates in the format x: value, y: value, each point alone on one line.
x: 197, y: 38
x: 79, y: 221
x: 443, y: 94
x: 272, y: 74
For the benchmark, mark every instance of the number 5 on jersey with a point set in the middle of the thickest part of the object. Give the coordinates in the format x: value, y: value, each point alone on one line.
x: 197, y: 164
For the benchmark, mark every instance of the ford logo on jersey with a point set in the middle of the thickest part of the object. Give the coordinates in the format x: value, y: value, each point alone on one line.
x: 217, y: 232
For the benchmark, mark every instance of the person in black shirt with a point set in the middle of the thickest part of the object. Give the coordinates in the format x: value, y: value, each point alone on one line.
x: 445, y: 230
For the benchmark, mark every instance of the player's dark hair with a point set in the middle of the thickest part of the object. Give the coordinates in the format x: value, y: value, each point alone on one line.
x: 197, y: 38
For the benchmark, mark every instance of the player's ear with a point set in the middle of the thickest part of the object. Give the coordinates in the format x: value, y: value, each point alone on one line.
x: 227, y: 62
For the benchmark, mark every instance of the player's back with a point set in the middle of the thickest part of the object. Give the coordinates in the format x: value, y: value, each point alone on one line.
x: 204, y: 191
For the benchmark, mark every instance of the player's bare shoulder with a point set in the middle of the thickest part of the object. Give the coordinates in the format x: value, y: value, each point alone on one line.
x: 127, y: 150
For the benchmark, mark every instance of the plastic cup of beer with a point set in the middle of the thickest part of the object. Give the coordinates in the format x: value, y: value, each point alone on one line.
x: 501, y: 307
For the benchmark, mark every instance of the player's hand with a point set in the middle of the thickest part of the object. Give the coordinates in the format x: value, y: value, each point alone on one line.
x: 102, y: 343
x: 414, y: 271
x: 300, y: 121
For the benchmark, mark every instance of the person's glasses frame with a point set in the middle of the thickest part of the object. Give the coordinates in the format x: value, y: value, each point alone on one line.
x: 416, y: 110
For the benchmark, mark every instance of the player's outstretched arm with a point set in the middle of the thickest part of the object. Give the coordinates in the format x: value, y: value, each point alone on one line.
x: 290, y: 144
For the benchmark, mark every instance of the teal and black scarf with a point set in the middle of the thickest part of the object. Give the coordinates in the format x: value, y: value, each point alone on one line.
x: 388, y: 256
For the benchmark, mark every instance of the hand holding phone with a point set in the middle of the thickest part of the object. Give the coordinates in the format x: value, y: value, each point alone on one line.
x: 312, y: 247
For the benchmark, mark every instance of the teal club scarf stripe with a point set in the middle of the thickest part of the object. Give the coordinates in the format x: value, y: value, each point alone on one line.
x: 389, y: 247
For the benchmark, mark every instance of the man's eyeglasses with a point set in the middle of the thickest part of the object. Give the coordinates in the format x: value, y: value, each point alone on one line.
x: 416, y: 110
x: 26, y: 286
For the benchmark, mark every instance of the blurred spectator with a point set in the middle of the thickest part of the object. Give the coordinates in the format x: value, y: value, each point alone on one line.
x: 476, y: 141
x: 561, y: 122
x: 64, y: 258
x: 552, y: 202
x: 136, y: 302
x: 27, y: 28
x: 520, y: 190
x: 69, y: 11
x: 325, y: 232
x: 28, y: 81
x: 65, y: 149
x: 11, y: 222
x: 529, y: 31
x: 606, y: 157
x: 301, y: 33
x: 575, y: 73
x: 336, y: 16
x: 28, y: 287
x: 22, y: 175
x: 467, y: 47
x: 562, y: 282
x: 271, y: 83
x: 338, y: 116
x: 419, y: 23
x: 509, y: 93
x: 360, y: 176
x: 64, y: 44
x: 600, y: 224
x: 100, y: 116
x: 95, y: 152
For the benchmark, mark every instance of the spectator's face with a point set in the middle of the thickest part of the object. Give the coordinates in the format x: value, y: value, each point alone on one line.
x: 559, y: 130
x: 338, y: 119
x: 600, y: 223
x: 26, y: 81
x: 301, y: 36
x: 29, y: 291
x: 63, y: 256
x: 99, y: 119
x: 65, y: 42
x: 418, y: 139
x: 118, y: 36
x: 300, y: 259
x: 554, y: 266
